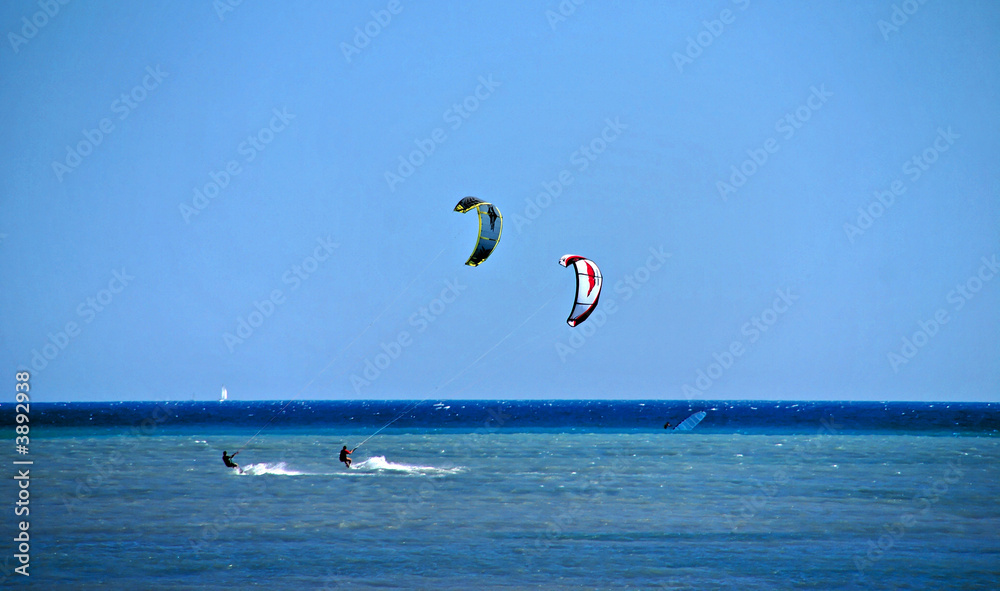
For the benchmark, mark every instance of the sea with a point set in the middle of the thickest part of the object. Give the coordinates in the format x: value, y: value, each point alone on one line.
x: 495, y: 494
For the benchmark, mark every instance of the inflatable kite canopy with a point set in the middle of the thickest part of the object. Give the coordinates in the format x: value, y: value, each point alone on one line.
x: 588, y: 287
x: 490, y: 224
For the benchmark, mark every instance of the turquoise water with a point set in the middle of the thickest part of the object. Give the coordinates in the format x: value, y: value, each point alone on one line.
x: 499, y: 508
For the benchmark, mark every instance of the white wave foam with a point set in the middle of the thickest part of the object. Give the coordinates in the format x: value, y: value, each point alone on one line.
x: 279, y: 469
x: 380, y: 464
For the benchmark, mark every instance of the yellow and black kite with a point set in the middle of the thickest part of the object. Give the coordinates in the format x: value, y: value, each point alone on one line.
x: 490, y: 223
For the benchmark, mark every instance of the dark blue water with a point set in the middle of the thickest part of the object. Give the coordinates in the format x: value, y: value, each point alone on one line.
x: 457, y: 495
x: 571, y: 415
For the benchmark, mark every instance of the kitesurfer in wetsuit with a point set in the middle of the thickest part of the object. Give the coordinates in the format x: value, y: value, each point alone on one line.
x: 343, y: 456
x: 666, y: 425
x: 228, y: 461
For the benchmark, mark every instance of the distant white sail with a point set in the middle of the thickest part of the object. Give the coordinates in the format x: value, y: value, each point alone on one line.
x: 225, y: 395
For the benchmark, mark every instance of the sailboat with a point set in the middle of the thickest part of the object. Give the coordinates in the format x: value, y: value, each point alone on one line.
x: 225, y: 395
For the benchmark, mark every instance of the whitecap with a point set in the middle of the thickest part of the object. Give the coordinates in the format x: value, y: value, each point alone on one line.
x: 380, y: 464
x: 279, y: 469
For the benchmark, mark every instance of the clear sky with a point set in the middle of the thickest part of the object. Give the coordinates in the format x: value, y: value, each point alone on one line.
x: 787, y: 200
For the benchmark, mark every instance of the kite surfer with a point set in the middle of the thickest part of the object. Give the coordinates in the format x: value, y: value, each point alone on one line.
x: 666, y: 425
x: 228, y: 461
x: 344, y: 452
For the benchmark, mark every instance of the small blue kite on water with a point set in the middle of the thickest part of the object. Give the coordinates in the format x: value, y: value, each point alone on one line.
x: 691, y: 422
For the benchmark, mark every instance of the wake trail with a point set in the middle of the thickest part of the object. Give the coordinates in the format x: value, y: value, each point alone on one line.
x: 380, y: 464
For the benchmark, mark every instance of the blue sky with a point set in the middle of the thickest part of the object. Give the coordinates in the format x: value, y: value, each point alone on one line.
x: 787, y: 201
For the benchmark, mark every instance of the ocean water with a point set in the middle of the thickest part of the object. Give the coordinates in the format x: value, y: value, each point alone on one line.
x: 509, y: 495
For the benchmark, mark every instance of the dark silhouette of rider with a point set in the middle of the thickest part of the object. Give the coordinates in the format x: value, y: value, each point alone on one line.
x: 228, y: 461
x: 344, y: 452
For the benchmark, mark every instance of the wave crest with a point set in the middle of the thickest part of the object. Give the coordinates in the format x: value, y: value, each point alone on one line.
x: 279, y: 469
x: 380, y: 464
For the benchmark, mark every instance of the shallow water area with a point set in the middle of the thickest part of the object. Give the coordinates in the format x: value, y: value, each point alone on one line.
x: 535, y: 507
